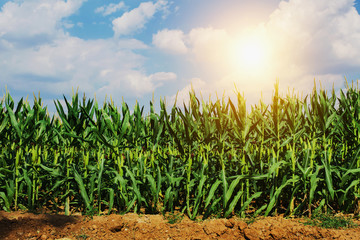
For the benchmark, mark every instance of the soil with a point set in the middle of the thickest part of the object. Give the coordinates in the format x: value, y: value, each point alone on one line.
x: 25, y: 225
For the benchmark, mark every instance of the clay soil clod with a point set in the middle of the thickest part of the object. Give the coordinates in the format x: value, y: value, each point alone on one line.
x: 25, y: 225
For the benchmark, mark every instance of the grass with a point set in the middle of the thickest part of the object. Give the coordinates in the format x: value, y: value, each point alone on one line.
x: 251, y: 220
x: 330, y: 221
x: 173, y: 218
x: 82, y: 237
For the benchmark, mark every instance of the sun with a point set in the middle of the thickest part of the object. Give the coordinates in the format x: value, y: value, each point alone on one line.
x: 250, y: 54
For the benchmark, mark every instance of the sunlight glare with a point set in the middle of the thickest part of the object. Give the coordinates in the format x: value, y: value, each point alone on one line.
x: 250, y: 55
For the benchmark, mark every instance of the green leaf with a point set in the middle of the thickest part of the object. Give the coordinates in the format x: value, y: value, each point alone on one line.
x: 82, y: 189
x: 13, y: 120
x: 233, y: 203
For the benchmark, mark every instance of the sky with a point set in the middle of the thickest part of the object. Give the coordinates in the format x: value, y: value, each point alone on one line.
x: 139, y: 50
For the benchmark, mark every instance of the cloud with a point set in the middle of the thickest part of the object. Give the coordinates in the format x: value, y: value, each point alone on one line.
x: 136, y: 19
x: 37, y: 20
x: 306, y: 40
x: 171, y: 41
x: 325, y: 32
x: 182, y: 96
x: 105, y: 67
x: 317, y: 38
x: 110, y: 9
x: 160, y: 77
x: 68, y: 24
x: 72, y: 61
x: 37, y: 55
x: 206, y: 46
x: 209, y: 46
x: 135, y: 82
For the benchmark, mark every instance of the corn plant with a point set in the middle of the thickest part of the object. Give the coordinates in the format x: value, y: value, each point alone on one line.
x: 296, y: 155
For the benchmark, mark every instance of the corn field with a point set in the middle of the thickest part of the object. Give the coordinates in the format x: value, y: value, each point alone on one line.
x: 294, y: 156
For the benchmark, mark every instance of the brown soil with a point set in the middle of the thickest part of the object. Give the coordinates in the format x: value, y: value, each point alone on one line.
x: 20, y: 225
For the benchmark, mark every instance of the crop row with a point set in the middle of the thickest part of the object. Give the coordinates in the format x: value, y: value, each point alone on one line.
x: 294, y: 156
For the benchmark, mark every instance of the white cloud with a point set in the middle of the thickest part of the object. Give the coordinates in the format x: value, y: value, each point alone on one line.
x: 170, y: 40
x: 307, y: 40
x: 34, y: 19
x: 205, y: 46
x: 68, y: 25
x: 182, y: 96
x: 136, y: 19
x: 102, y: 66
x: 210, y: 47
x: 60, y: 62
x: 135, y: 83
x: 312, y: 29
x: 110, y: 9
x: 160, y: 77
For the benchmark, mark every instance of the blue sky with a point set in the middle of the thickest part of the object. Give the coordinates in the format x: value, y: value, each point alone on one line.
x: 134, y: 49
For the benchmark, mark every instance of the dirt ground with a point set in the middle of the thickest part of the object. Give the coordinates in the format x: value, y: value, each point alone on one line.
x: 24, y: 225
